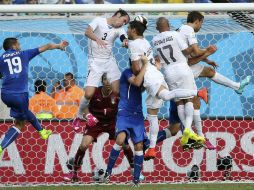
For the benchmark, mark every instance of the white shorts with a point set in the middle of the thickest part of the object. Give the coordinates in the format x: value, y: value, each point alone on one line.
x: 97, y: 67
x: 153, y: 80
x: 180, y: 76
x: 197, y: 69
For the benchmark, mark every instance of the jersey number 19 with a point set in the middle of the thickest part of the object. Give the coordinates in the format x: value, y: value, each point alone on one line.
x: 14, y: 65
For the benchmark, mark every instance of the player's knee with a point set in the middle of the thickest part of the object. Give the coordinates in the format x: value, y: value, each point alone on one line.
x: 138, y: 146
x: 196, y: 102
x: 19, y: 124
x: 174, y: 128
x: 83, y: 147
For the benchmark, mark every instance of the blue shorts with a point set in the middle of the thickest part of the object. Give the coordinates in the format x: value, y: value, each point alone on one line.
x: 133, y: 125
x: 18, y: 103
x: 173, y: 114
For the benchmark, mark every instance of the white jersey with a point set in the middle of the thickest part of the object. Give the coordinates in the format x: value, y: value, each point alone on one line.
x: 188, y: 34
x: 105, y: 32
x: 169, y: 46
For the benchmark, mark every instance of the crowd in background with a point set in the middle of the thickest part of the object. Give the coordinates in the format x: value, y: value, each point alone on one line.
x: 117, y: 1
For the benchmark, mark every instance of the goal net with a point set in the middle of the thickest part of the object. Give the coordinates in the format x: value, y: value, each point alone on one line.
x: 227, y: 119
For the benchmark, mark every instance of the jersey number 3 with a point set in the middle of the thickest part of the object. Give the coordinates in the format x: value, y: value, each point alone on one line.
x: 14, y: 65
x: 105, y: 36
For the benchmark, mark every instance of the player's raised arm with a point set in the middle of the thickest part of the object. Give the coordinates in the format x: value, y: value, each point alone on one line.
x: 46, y: 47
x: 137, y: 80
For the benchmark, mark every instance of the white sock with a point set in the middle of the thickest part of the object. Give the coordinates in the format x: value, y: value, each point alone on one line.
x: 82, y: 105
x: 167, y: 95
x: 153, y: 129
x: 188, y: 109
x: 198, y: 122
x: 220, y: 79
x: 117, y: 147
x: 181, y: 113
x: 168, y: 133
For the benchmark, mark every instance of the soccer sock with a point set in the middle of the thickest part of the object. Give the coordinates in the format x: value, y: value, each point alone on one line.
x: 146, y: 144
x: 10, y: 136
x: 82, y: 105
x: 129, y: 155
x: 113, y: 157
x: 181, y: 113
x: 34, y: 121
x: 153, y: 129
x: 179, y: 93
x: 188, y: 108
x: 163, y: 134
x: 220, y: 79
x: 198, y: 122
x: 78, y: 158
x: 138, y: 162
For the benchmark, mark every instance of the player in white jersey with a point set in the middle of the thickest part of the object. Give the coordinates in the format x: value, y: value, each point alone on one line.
x: 156, y: 87
x: 101, y: 33
x: 194, y: 22
x: 172, y: 51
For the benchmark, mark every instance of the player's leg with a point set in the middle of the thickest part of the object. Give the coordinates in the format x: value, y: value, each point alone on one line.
x: 95, y: 73
x: 75, y: 163
x: 220, y: 79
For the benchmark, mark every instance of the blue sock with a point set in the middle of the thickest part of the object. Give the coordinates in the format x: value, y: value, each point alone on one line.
x: 138, y: 163
x: 161, y: 136
x: 146, y: 144
x: 113, y: 157
x: 34, y: 121
x: 10, y: 136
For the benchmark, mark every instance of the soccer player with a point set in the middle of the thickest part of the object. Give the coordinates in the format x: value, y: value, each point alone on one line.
x: 103, y: 105
x: 154, y: 82
x: 130, y: 120
x: 194, y: 22
x: 102, y: 33
x: 14, y: 93
x: 171, y: 50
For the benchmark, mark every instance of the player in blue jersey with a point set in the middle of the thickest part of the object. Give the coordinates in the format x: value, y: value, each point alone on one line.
x: 130, y: 119
x: 14, y: 93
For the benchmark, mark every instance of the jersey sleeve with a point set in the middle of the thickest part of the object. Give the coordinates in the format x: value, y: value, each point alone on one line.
x: 94, y: 23
x: 31, y: 53
x: 181, y: 43
x: 191, y: 36
x: 127, y: 74
x: 134, y: 52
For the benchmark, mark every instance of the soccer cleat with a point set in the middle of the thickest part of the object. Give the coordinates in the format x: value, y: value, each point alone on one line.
x: 91, y: 120
x: 71, y: 177
x: 106, y: 177
x: 45, y: 134
x: 203, y: 93
x: 135, y: 183
x: 1, y: 151
x: 141, y: 177
x: 185, y: 138
x: 189, y: 145
x: 150, y: 154
x: 209, y: 145
x: 76, y: 124
x: 243, y: 83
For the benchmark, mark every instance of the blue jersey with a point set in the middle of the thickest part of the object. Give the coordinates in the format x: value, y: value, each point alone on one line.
x: 130, y: 95
x: 14, y: 68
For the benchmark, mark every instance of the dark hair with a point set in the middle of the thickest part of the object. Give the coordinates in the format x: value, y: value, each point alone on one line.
x: 9, y: 42
x: 69, y: 74
x: 138, y: 26
x: 193, y: 16
x: 103, y: 76
x: 40, y: 86
x: 122, y: 13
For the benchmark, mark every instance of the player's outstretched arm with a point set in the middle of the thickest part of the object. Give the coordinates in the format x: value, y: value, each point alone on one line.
x: 138, y: 79
x: 46, y: 47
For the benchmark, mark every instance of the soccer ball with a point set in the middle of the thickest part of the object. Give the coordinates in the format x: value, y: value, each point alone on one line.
x: 98, y: 175
x: 142, y: 19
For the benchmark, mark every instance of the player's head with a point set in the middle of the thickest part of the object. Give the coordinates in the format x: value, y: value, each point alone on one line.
x: 162, y: 24
x: 105, y: 82
x: 40, y: 86
x: 136, y: 28
x: 120, y: 18
x: 195, y: 18
x: 68, y: 80
x: 11, y: 43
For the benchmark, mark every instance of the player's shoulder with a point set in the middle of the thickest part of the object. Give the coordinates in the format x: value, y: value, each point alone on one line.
x: 186, y: 28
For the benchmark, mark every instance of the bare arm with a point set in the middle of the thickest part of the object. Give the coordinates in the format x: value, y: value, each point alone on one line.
x: 138, y: 80
x: 90, y: 34
x: 46, y: 47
